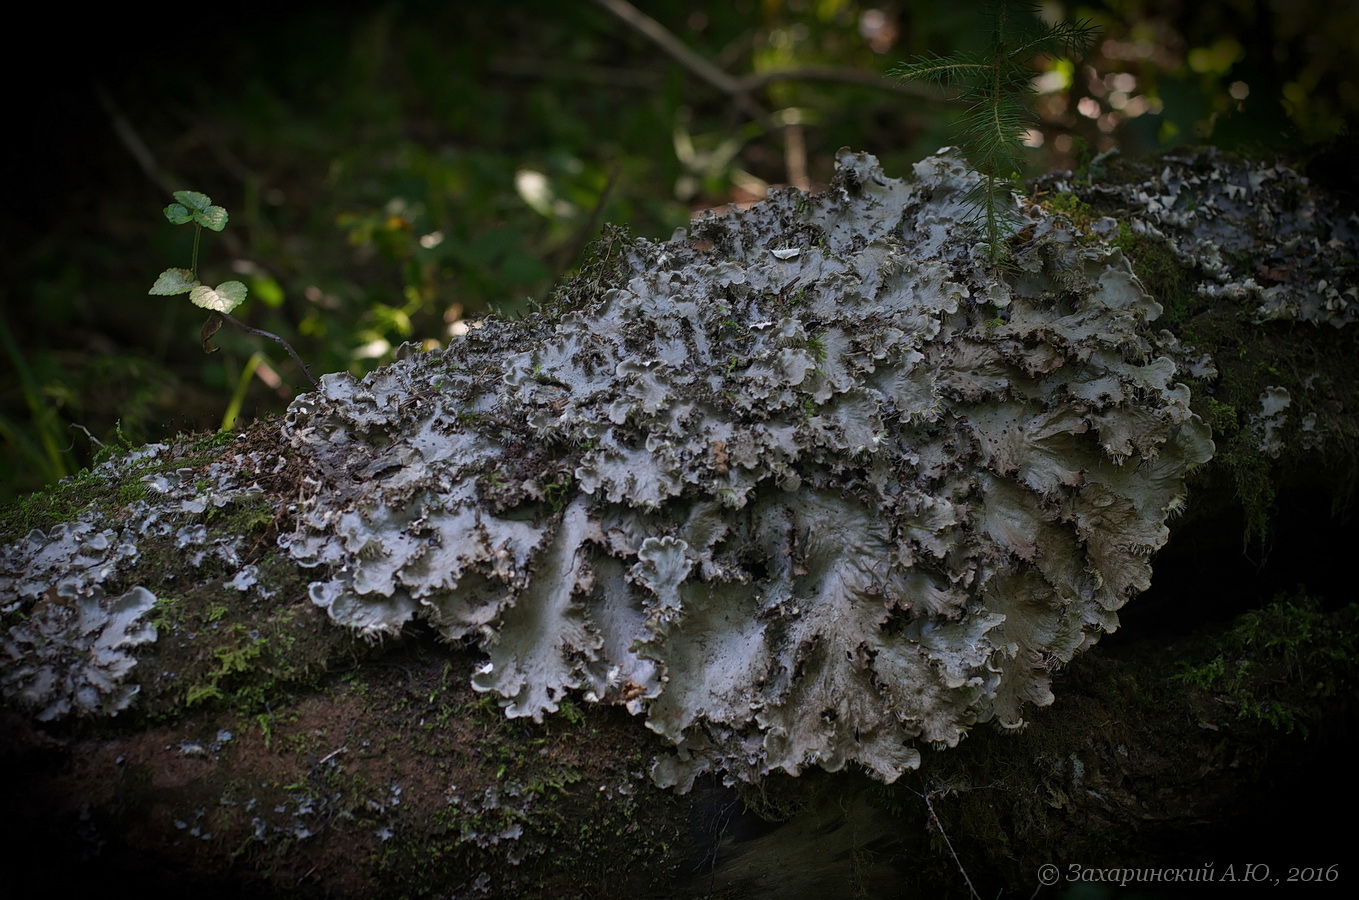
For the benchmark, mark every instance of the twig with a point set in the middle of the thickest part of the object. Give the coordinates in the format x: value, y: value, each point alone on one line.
x: 710, y: 855
x: 934, y: 820
x: 795, y: 156
x: 332, y: 754
x: 864, y: 77
x: 684, y: 56
x: 608, y: 76
x: 269, y: 334
x: 573, y: 250
x: 133, y: 142
x: 643, y: 80
x: 93, y: 440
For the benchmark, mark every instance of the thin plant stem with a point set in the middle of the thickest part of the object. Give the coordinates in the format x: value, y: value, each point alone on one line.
x: 273, y: 337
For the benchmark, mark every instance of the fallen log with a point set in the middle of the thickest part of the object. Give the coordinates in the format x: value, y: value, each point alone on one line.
x: 745, y: 568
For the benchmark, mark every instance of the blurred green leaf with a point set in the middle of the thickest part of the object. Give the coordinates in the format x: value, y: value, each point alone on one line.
x: 268, y: 290
x: 178, y: 215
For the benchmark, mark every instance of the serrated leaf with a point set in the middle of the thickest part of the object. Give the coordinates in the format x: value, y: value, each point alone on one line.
x: 223, y: 299
x: 194, y: 200
x: 194, y: 206
x: 173, y: 281
x: 177, y: 214
x: 214, y: 218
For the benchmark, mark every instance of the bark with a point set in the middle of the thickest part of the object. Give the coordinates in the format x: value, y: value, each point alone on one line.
x: 267, y: 750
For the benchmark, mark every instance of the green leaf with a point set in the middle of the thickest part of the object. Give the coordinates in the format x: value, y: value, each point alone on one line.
x: 267, y: 288
x: 194, y: 200
x: 173, y: 281
x: 214, y: 218
x: 223, y: 299
x: 196, y: 207
x: 177, y: 214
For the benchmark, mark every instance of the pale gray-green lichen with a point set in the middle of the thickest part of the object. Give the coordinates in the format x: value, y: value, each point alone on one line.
x: 1255, y: 233
x: 811, y: 485
x: 73, y: 655
x: 1268, y: 422
x: 72, y: 648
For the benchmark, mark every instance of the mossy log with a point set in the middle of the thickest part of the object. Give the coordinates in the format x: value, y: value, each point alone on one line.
x: 763, y: 562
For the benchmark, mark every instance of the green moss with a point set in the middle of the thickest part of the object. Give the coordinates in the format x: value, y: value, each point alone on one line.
x: 91, y: 491
x: 605, y: 267
x: 1222, y: 418
x: 512, y: 793
x: 217, y: 648
x: 62, y: 502
x: 1073, y: 207
x: 558, y: 492
x: 1161, y: 273
x: 1276, y: 663
x: 251, y: 516
x: 1252, y: 473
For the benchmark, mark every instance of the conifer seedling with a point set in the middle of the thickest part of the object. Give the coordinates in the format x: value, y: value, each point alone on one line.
x: 220, y: 301
x: 996, y: 82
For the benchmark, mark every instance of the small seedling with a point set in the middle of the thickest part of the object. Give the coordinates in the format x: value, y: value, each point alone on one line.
x: 198, y: 209
x: 996, y: 82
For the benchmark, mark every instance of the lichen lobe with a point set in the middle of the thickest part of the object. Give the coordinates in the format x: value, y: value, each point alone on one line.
x: 807, y: 508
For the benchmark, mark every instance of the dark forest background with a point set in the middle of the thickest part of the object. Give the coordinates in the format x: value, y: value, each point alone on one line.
x: 396, y: 171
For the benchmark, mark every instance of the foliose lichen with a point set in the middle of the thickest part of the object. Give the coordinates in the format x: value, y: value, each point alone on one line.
x: 1267, y: 423
x: 68, y: 647
x: 1254, y: 232
x: 74, y: 655
x: 72, y: 648
x: 810, y: 485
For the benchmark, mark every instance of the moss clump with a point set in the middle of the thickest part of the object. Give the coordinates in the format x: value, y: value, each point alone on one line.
x: 1222, y: 418
x: 1160, y: 272
x: 219, y: 647
x: 1073, y: 207
x: 494, y: 801
x: 103, y: 487
x: 1277, y: 662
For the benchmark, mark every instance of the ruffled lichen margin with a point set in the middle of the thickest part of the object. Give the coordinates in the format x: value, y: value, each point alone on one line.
x: 293, y: 727
x: 811, y: 485
x: 807, y: 485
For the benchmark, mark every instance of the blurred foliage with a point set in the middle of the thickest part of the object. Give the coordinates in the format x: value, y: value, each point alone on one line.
x: 396, y: 170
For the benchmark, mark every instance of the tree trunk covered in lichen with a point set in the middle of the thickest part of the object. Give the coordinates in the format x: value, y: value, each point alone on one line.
x: 824, y: 424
